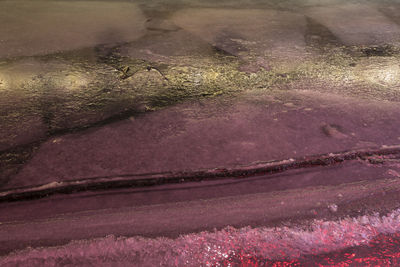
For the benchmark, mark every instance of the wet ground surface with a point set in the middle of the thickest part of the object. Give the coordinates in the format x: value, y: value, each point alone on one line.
x: 99, y: 88
x: 350, y: 189
x: 212, y: 134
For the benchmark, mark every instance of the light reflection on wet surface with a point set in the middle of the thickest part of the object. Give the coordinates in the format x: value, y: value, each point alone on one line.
x: 383, y: 250
x: 68, y: 66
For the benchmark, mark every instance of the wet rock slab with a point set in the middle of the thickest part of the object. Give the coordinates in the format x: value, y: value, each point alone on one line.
x: 39, y: 96
x: 247, y: 32
x: 141, y: 58
x: 357, y: 24
x: 42, y: 27
x: 208, y: 135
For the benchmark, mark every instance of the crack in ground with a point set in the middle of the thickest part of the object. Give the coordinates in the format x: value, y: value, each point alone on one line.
x: 152, y: 179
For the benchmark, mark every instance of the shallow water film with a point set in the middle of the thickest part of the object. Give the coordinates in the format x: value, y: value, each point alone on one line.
x: 148, y: 131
